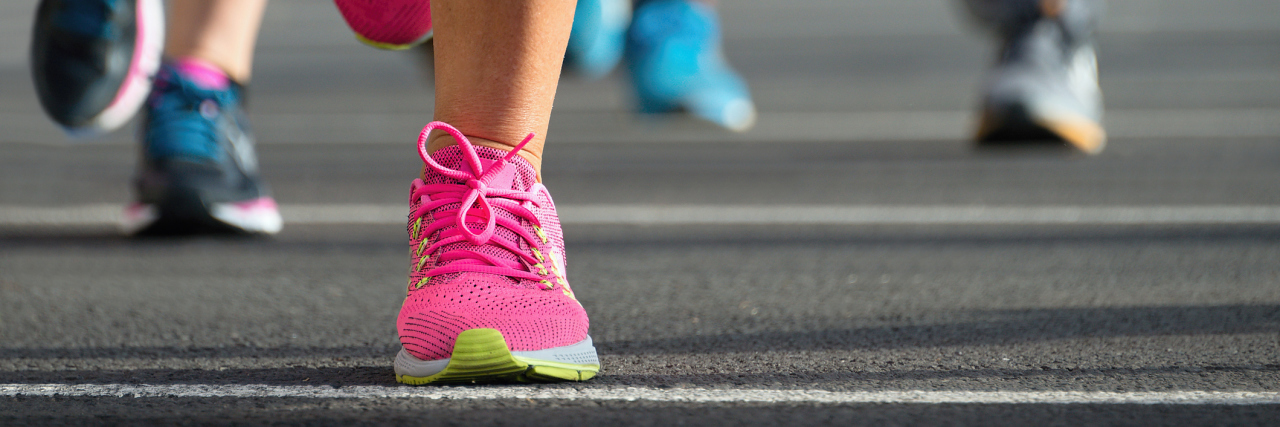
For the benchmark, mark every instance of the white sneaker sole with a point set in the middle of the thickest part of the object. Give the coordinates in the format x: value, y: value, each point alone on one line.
x: 259, y: 216
x: 481, y: 355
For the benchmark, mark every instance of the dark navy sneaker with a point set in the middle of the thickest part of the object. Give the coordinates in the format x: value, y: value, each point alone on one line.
x: 676, y: 63
x: 1044, y: 87
x: 93, y: 60
x: 199, y: 173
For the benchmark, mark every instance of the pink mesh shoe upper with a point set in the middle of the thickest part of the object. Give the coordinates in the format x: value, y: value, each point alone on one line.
x: 393, y: 22
x: 498, y: 264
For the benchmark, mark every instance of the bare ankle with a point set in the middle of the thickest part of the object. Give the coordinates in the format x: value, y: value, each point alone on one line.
x: 438, y: 140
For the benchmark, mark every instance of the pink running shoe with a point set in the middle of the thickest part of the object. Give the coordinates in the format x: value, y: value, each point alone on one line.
x: 388, y: 24
x: 488, y: 299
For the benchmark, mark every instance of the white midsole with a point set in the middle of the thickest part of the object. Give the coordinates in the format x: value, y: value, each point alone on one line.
x: 581, y: 353
x: 137, y: 217
x: 253, y: 220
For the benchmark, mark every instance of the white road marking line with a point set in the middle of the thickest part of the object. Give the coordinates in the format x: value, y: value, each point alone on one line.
x: 919, y: 215
x: 647, y: 394
x: 622, y: 127
x: 98, y: 215
x: 570, y: 127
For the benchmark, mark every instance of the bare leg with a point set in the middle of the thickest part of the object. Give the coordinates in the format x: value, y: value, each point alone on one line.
x: 221, y: 32
x: 497, y: 67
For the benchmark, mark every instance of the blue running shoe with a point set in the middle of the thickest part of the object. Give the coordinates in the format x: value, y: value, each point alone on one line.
x: 92, y: 61
x: 598, y: 36
x: 199, y: 173
x: 676, y: 62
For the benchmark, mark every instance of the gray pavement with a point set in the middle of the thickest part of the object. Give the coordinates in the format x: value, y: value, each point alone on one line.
x: 864, y: 104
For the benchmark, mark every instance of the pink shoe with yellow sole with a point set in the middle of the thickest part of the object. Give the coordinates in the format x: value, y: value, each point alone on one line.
x: 488, y: 299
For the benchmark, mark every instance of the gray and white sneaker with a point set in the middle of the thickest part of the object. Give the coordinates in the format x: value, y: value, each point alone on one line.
x: 1044, y: 86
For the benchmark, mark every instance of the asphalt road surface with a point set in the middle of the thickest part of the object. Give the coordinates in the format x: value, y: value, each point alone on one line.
x: 851, y: 261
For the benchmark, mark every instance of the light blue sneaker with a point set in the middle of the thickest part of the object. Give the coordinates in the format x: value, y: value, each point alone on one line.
x: 676, y: 61
x: 598, y: 35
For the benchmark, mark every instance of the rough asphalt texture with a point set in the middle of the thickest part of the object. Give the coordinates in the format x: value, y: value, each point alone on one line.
x: 988, y: 308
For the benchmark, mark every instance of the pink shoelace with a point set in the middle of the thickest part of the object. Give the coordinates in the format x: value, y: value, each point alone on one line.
x: 474, y: 199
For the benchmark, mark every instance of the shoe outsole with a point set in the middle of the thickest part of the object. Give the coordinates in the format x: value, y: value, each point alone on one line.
x: 393, y: 46
x: 482, y: 356
x: 1016, y: 126
x: 189, y: 216
x: 1084, y: 134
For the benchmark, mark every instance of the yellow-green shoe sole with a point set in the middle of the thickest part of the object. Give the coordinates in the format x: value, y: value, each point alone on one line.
x: 392, y: 46
x: 482, y: 356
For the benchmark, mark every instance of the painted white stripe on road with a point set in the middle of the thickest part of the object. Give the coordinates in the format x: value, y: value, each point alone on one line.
x: 100, y: 215
x: 918, y: 215
x: 646, y: 394
x: 951, y: 126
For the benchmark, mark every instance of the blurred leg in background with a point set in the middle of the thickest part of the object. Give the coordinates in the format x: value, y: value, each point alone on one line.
x: 674, y: 55
x: 1042, y: 89
x: 93, y: 62
x: 487, y: 297
x: 672, y: 49
x: 1044, y: 85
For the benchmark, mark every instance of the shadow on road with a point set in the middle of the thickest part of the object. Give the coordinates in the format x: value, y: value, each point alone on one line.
x: 999, y: 327
x: 385, y: 376
x: 982, y: 328
x: 331, y: 376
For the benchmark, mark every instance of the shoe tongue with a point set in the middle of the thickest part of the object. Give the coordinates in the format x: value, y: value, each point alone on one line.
x: 509, y: 176
x: 503, y: 178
